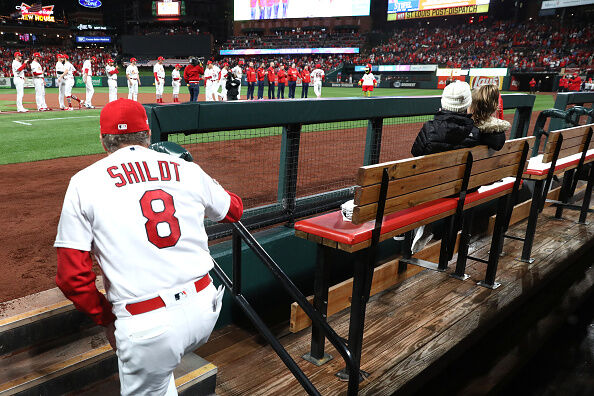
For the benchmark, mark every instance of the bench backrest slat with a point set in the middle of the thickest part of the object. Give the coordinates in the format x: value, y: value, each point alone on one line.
x: 574, y: 140
x: 414, y: 181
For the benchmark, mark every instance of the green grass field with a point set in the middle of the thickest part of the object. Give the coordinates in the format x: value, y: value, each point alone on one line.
x: 37, y: 136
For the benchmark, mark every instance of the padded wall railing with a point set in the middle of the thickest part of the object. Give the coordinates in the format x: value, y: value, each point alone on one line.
x: 366, y: 128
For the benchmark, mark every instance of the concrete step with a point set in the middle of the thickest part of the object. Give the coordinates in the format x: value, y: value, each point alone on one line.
x: 38, y: 318
x: 193, y: 377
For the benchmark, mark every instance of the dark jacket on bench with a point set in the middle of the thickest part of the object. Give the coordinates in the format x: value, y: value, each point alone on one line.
x: 447, y: 131
x: 492, y: 132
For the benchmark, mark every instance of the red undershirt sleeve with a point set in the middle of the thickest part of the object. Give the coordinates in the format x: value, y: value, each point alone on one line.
x: 235, y: 209
x: 155, y: 74
x: 76, y: 279
x: 86, y: 71
x: 22, y: 67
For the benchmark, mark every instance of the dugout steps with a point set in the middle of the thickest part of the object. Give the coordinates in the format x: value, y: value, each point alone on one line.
x: 48, y: 347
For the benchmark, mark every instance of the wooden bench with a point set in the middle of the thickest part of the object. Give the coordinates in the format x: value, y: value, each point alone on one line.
x: 567, y: 152
x: 394, y: 198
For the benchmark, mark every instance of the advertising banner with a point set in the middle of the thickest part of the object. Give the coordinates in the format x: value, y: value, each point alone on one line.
x: 29, y: 82
x: 5, y: 82
x: 451, y: 72
x: 277, y: 51
x: 441, y: 80
x: 48, y: 82
x: 478, y: 81
x: 399, y: 10
x: 493, y: 71
x: 404, y: 84
x: 78, y: 81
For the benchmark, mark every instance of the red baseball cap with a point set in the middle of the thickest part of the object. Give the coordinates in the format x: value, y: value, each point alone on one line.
x: 123, y: 116
x: 241, y: 62
x: 109, y: 60
x: 93, y: 58
x: 132, y: 59
x: 18, y: 54
x: 209, y: 62
x: 65, y: 56
x: 59, y: 56
x: 318, y: 66
x: 225, y: 64
x: 37, y: 54
x: 160, y: 58
x: 177, y: 65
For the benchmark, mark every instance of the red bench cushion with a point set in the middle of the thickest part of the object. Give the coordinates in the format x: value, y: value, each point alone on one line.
x: 332, y: 226
x: 538, y: 168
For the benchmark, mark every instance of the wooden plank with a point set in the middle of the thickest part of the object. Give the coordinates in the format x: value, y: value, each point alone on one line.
x: 300, y: 234
x: 365, y: 213
x: 384, y: 277
x: 368, y: 194
x: 372, y: 174
x: 569, y: 145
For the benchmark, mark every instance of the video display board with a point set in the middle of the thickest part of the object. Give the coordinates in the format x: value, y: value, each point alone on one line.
x: 412, y: 9
x: 289, y: 51
x: 245, y: 10
x: 547, y: 4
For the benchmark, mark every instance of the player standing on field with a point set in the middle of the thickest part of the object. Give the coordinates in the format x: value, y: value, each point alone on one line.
x: 216, y: 81
x: 209, y: 76
x: 367, y: 82
x: 133, y: 79
x: 68, y: 77
x: 141, y: 214
x: 176, y: 82
x: 38, y: 82
x: 60, y: 70
x: 318, y: 76
x: 87, y: 69
x: 159, y: 73
x: 18, y: 73
x: 223, y: 76
x: 112, y: 79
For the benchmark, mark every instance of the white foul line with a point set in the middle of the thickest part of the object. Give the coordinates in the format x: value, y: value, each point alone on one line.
x: 53, y: 119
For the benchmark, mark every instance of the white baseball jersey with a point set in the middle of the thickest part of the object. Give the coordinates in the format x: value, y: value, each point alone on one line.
x: 109, y: 69
x: 141, y: 213
x: 212, y: 74
x: 15, y: 69
x: 237, y: 71
x: 69, y: 71
x: 132, y: 72
x: 60, y: 68
x: 160, y: 70
x: 217, y: 71
x: 368, y: 79
x: 175, y: 76
x: 317, y: 75
x: 223, y: 75
x: 87, y: 65
x: 36, y: 68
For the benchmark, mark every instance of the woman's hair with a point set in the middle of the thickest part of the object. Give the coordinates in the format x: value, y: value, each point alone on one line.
x: 485, y: 101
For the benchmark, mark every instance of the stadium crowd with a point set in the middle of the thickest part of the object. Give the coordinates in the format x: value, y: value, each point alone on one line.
x: 296, y: 38
x: 502, y: 44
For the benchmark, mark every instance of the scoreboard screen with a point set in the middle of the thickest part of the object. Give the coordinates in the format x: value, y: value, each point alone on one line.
x: 168, y: 8
x: 245, y: 10
x: 412, y: 9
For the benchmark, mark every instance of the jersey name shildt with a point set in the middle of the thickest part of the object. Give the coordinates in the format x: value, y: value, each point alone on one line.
x: 139, y: 172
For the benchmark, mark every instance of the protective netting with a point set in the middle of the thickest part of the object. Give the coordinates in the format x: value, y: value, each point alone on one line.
x: 245, y: 162
x: 398, y: 136
x: 329, y: 156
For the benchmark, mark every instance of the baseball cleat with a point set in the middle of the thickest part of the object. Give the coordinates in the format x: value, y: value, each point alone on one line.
x: 22, y: 111
x: 68, y: 109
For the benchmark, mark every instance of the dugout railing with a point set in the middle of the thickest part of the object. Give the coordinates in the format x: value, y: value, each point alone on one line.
x: 567, y: 99
x: 278, y: 146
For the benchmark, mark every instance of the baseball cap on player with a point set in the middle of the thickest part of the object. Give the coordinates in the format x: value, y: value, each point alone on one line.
x: 93, y: 58
x: 318, y: 66
x: 241, y: 62
x: 160, y: 58
x: 132, y: 59
x: 123, y: 116
x: 18, y: 54
x: 37, y: 55
x: 109, y: 60
x: 209, y: 62
x: 177, y: 65
x: 65, y: 56
x: 59, y: 56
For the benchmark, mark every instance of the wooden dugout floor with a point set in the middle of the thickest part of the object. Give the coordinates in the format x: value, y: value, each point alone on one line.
x: 412, y: 326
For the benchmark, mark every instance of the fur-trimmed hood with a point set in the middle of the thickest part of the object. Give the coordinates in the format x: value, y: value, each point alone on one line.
x: 493, y: 125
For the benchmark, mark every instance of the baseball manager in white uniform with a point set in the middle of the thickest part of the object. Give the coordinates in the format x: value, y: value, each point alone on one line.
x: 141, y: 214
x: 87, y: 69
x: 18, y: 72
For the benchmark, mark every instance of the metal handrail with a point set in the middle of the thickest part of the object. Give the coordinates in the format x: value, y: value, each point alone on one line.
x: 565, y: 115
x: 240, y: 233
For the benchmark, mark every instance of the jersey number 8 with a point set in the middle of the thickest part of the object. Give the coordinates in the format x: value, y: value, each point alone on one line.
x: 155, y: 218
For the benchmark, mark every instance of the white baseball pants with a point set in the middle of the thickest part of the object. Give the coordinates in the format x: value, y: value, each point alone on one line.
x: 223, y: 93
x: 69, y: 83
x: 317, y: 86
x: 159, y: 86
x: 113, y: 89
x: 133, y: 89
x: 151, y: 345
x: 210, y: 91
x: 89, y: 90
x: 19, y: 83
x: 39, y: 93
x: 176, y: 85
x: 61, y: 91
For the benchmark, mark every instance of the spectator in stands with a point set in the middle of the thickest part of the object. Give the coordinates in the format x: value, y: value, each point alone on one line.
x: 485, y: 101
x: 452, y: 128
x: 575, y: 84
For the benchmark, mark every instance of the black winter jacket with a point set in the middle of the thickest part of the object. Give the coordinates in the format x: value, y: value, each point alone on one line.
x: 232, y: 86
x: 447, y: 131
